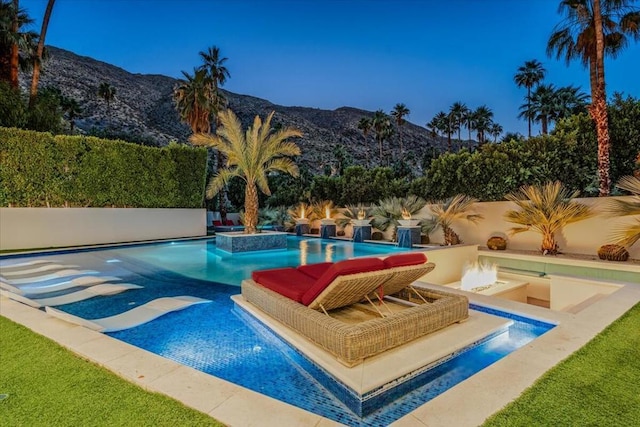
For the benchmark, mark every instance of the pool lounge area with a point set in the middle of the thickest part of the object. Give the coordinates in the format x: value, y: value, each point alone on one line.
x: 229, y: 403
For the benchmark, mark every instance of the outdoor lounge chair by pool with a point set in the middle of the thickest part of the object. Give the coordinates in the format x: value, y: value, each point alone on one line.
x: 323, y: 303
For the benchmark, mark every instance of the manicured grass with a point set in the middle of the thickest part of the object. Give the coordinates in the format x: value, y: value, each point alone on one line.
x: 599, y: 385
x: 48, y: 385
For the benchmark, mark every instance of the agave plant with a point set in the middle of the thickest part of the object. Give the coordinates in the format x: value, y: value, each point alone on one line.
x: 545, y: 209
x: 627, y: 234
x: 388, y: 211
x: 454, y: 208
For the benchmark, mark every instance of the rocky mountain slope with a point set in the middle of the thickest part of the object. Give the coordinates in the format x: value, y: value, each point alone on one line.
x: 143, y: 106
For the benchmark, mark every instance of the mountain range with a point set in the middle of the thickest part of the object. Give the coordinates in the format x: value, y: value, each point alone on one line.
x: 143, y: 106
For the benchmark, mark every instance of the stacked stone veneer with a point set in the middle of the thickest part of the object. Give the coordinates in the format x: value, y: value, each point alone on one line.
x: 240, y: 242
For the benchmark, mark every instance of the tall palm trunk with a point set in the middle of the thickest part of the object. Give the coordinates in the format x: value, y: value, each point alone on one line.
x: 400, y: 138
x: 15, y: 52
x: 450, y: 236
x: 529, y: 108
x: 598, y: 108
x: 33, y: 93
x: 380, y: 145
x: 251, y: 207
x: 549, y: 244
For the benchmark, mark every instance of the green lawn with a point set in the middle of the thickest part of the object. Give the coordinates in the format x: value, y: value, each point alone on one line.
x: 599, y: 385
x: 48, y: 385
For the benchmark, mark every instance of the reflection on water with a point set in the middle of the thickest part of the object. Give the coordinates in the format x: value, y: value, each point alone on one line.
x: 304, y: 249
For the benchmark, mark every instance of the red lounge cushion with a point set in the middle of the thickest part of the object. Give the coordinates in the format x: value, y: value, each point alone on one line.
x: 404, y: 260
x: 288, y: 282
x: 217, y: 223
x: 229, y: 222
x: 341, y: 268
x: 315, y: 270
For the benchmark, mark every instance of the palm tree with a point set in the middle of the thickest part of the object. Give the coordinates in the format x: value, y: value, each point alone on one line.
x: 37, y: 60
x: 16, y: 46
x: 457, y: 112
x: 467, y: 118
x: 627, y: 234
x: 193, y: 102
x: 439, y: 124
x: 545, y: 209
x: 388, y: 211
x: 482, y: 119
x: 72, y: 109
x: 445, y: 213
x: 529, y: 75
x: 591, y: 29
x: 398, y: 112
x: 250, y: 155
x: 106, y: 92
x: 365, y: 125
x: 495, y: 130
x: 570, y: 100
x: 541, y: 106
x: 382, y: 127
x: 216, y: 74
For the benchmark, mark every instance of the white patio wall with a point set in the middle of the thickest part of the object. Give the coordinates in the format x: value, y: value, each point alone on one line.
x: 23, y: 228
x: 584, y: 237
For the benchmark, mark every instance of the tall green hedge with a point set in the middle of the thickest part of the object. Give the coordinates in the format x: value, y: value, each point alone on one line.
x: 39, y: 169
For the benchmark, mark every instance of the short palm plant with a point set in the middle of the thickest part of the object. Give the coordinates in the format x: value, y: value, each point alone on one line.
x: 302, y: 211
x: 278, y: 217
x: 388, y: 211
x: 627, y: 234
x: 352, y: 213
x: 454, y: 208
x: 250, y: 155
x: 324, y: 209
x: 545, y: 209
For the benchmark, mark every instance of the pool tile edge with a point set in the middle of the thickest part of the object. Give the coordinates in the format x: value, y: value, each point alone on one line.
x: 43, y: 324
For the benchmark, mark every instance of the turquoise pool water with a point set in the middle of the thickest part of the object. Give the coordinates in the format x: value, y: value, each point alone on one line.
x: 221, y: 340
x: 201, y: 260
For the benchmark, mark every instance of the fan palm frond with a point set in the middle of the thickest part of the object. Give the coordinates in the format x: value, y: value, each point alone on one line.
x: 545, y: 209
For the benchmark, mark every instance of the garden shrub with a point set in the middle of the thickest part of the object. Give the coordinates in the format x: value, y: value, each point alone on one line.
x: 39, y: 169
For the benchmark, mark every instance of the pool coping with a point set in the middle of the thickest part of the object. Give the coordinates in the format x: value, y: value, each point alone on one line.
x: 235, y: 405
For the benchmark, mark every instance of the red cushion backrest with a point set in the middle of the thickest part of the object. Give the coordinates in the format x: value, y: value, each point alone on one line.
x: 229, y: 222
x: 341, y: 268
x: 315, y: 270
x: 217, y: 223
x: 403, y: 260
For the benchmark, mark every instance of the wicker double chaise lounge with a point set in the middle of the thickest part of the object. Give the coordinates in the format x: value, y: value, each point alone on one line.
x: 340, y: 306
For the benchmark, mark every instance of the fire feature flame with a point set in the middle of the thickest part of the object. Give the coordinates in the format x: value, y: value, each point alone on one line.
x: 362, y: 214
x: 478, y: 274
x: 406, y: 214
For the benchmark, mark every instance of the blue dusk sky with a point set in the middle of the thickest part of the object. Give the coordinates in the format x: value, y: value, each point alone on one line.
x: 326, y: 54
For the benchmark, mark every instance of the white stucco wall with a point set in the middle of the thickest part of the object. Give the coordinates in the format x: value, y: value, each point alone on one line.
x: 584, y: 237
x: 23, y: 228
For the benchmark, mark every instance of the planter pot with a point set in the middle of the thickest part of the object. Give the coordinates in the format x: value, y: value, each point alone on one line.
x: 497, y: 243
x: 408, y: 222
x: 613, y: 253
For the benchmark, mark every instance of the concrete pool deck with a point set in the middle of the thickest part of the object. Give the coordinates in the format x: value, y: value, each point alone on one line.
x: 466, y: 404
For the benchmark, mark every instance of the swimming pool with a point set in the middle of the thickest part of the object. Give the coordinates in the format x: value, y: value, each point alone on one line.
x: 218, y: 339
